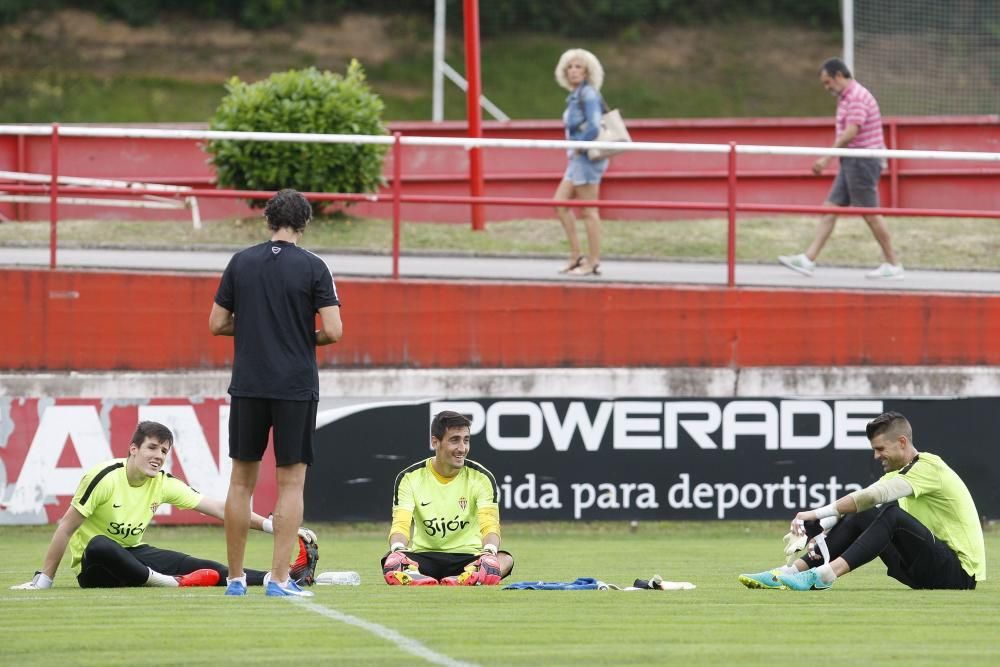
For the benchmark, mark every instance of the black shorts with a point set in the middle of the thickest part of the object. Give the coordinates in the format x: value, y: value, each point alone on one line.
x: 251, y: 420
x: 857, y: 182
x: 439, y: 564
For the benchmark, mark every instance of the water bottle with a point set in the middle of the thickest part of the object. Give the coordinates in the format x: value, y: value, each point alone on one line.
x: 339, y: 579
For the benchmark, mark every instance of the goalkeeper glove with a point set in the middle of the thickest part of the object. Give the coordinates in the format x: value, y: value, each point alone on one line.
x: 39, y: 582
x: 397, y: 560
x: 487, y: 571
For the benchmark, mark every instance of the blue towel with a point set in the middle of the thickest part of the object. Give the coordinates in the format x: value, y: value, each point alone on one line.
x: 581, y: 584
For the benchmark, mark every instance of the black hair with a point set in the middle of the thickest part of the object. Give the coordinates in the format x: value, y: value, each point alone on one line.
x: 891, y: 424
x: 834, y: 65
x: 154, y: 430
x: 288, y: 208
x: 445, y: 420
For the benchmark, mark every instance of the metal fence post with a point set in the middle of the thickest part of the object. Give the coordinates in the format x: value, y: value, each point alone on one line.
x: 397, y: 191
x: 54, y: 196
x: 731, y: 206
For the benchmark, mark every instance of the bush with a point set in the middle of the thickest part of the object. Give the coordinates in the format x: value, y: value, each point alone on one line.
x: 300, y: 101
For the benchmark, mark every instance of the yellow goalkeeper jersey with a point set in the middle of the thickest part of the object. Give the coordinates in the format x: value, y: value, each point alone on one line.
x: 448, y: 514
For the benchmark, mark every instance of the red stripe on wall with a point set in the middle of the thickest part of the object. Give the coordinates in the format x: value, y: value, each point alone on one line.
x: 69, y: 320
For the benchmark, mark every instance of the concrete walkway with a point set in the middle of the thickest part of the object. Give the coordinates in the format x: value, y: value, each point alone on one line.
x: 465, y: 267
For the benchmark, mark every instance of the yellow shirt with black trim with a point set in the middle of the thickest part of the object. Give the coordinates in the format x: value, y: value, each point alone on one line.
x: 943, y: 504
x: 112, y: 507
x: 445, y: 514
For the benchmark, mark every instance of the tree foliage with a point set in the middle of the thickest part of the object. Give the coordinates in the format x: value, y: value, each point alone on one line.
x: 307, y: 101
x: 566, y: 17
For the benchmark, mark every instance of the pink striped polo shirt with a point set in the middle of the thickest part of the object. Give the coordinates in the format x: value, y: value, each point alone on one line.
x: 857, y: 106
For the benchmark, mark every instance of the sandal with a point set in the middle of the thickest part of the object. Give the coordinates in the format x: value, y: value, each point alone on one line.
x: 586, y: 269
x: 569, y: 268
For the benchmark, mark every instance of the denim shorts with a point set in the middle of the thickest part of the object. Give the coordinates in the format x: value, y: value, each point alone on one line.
x: 581, y: 171
x: 857, y: 182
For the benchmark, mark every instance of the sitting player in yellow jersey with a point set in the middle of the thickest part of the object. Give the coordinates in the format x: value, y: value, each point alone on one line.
x: 111, y: 509
x: 919, y: 519
x: 452, y: 505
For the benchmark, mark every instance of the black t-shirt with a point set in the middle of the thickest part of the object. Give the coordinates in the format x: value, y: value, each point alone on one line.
x: 274, y: 290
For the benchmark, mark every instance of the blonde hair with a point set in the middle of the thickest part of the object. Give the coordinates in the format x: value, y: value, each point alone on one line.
x: 595, y: 73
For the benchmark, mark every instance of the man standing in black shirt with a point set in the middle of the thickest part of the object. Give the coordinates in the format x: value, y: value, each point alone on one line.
x: 268, y: 299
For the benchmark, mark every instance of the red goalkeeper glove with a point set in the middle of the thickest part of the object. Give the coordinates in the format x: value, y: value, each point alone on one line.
x: 487, y: 571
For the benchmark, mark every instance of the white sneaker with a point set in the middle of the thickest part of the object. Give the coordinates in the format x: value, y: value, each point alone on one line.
x: 799, y: 263
x: 887, y: 271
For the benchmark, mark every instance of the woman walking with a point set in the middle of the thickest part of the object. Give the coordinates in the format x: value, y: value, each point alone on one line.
x: 580, y: 72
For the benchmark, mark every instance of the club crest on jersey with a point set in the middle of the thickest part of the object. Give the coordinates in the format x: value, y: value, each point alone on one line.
x: 463, y: 503
x: 275, y: 249
x: 153, y: 507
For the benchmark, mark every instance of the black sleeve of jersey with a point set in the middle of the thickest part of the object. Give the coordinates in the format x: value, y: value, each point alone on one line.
x: 324, y: 290
x: 224, y: 295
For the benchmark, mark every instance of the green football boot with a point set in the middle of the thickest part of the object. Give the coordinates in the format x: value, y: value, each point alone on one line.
x: 767, y: 580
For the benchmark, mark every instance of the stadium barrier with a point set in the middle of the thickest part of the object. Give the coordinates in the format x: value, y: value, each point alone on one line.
x: 731, y: 206
x: 70, y: 320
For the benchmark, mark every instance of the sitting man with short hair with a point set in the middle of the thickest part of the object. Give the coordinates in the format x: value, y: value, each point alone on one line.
x: 452, y: 503
x: 111, y: 509
x: 919, y: 519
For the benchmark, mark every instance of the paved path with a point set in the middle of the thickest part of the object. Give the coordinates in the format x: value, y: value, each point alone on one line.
x: 507, y: 268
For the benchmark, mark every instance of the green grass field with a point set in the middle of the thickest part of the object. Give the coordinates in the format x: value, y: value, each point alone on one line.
x: 924, y: 243
x: 866, y: 617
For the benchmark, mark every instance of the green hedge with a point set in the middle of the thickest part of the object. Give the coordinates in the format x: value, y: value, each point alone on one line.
x: 308, y: 101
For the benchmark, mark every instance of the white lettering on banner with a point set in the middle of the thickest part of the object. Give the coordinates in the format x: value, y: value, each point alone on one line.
x: 698, y: 429
x: 76, y: 426
x: 577, y: 420
x: 852, y: 417
x: 194, y: 455
x: 653, y: 425
x: 792, y: 409
x: 626, y: 424
x: 612, y: 496
x: 528, y: 495
x: 722, y: 497
x: 510, y: 443
x: 732, y: 426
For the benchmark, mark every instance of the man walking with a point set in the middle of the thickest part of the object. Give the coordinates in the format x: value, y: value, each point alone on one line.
x: 268, y: 299
x: 859, y: 125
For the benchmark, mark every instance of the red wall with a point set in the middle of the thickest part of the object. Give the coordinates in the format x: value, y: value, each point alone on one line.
x: 63, y: 320
x: 535, y: 173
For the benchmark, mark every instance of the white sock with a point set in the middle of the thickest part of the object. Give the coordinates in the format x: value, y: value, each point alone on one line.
x: 826, y: 574
x: 242, y: 580
x: 160, y: 580
x: 788, y: 569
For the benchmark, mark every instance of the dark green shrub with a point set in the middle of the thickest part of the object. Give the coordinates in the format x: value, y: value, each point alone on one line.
x: 300, y: 101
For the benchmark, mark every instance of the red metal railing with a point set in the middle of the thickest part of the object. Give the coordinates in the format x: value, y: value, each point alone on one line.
x: 396, y: 197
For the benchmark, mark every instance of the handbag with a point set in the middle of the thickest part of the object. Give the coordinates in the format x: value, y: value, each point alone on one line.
x: 612, y: 129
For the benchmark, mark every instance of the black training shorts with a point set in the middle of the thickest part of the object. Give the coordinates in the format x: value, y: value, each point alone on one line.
x: 251, y: 420
x: 440, y: 564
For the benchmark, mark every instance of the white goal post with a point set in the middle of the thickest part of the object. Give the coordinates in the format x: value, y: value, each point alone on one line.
x: 145, y: 197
